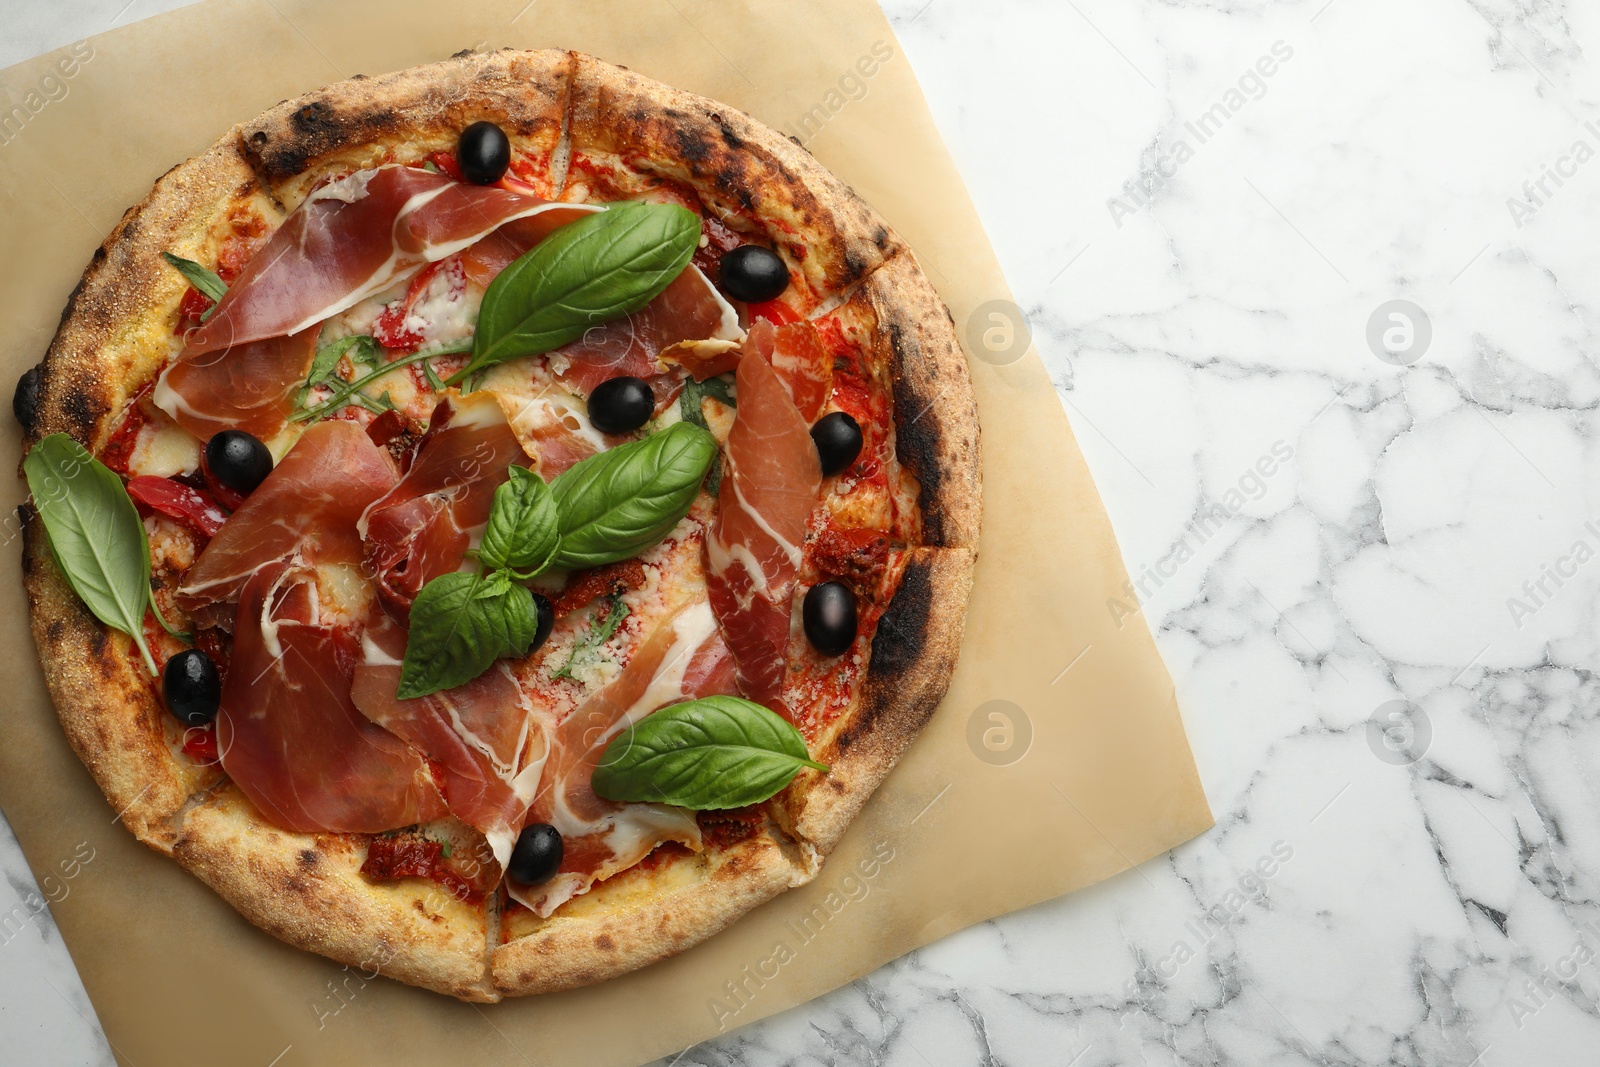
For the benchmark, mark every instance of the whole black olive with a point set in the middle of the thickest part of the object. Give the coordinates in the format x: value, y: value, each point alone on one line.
x: 192, y: 687
x: 25, y: 401
x: 536, y: 855
x: 547, y: 620
x: 238, y: 460
x: 483, y: 152
x: 621, y: 405
x: 838, y: 440
x: 829, y: 613
x: 753, y: 274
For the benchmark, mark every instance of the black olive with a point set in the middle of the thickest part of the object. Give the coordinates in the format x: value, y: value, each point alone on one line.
x: 838, y: 439
x: 239, y: 461
x: 483, y: 153
x: 547, y: 620
x: 536, y: 855
x: 753, y: 274
x: 25, y: 401
x: 621, y: 405
x: 829, y: 613
x: 192, y: 687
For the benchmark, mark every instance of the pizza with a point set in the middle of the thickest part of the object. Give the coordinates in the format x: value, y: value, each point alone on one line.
x: 498, y: 522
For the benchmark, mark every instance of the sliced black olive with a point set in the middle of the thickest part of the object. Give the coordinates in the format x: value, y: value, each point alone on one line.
x: 483, y: 152
x: 753, y: 274
x: 829, y: 614
x: 25, y: 401
x: 838, y: 439
x: 536, y: 855
x: 192, y: 687
x: 621, y: 405
x: 547, y: 620
x: 238, y: 460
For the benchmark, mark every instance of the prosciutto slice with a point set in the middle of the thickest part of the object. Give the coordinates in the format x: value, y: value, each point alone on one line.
x: 423, y: 526
x: 288, y: 733
x: 688, y: 309
x: 483, y: 736
x: 350, y: 239
x: 249, y: 387
x: 306, y: 511
x: 795, y: 351
x: 752, y: 550
x: 601, y: 837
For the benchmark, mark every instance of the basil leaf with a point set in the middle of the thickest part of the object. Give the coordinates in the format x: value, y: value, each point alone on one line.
x: 523, y: 530
x: 202, y: 279
x: 95, y: 533
x: 460, y: 624
x: 601, y: 267
x: 616, y: 504
x: 715, y: 752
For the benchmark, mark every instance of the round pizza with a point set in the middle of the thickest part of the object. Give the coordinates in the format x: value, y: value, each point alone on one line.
x: 497, y: 523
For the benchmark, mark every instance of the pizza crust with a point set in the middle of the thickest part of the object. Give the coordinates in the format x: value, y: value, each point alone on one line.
x: 743, y: 171
x: 308, y: 890
x: 116, y: 333
x: 107, y: 704
x: 641, y: 917
x: 351, y: 124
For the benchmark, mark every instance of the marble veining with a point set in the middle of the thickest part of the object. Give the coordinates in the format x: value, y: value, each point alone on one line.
x: 1314, y: 282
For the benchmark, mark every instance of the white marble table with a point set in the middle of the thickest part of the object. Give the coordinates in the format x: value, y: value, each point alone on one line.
x: 1368, y: 567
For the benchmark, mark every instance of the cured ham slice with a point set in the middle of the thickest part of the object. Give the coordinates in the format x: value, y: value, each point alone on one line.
x: 306, y: 511
x: 752, y: 549
x: 688, y: 309
x: 249, y: 387
x: 289, y: 735
x: 489, y: 256
x: 601, y: 837
x: 483, y: 736
x: 423, y: 526
x: 350, y: 239
x: 795, y: 351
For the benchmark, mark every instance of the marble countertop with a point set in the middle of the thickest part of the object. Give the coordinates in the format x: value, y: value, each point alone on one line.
x: 1311, y: 282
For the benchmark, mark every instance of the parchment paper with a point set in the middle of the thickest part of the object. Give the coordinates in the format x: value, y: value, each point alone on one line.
x: 1057, y: 760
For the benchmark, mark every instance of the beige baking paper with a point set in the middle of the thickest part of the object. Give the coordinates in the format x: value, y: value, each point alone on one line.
x: 1057, y: 760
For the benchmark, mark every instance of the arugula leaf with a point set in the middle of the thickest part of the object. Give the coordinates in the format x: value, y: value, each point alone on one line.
x: 601, y: 627
x: 523, y: 529
x: 460, y: 624
x: 715, y: 752
x: 365, y: 351
x: 601, y: 267
x: 345, y: 392
x: 202, y: 279
x: 95, y: 534
x: 616, y: 504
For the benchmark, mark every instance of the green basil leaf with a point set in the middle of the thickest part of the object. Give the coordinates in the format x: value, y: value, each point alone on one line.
x: 616, y: 504
x: 95, y: 533
x: 202, y: 279
x: 601, y: 267
x: 460, y: 624
x: 715, y: 752
x: 523, y: 530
